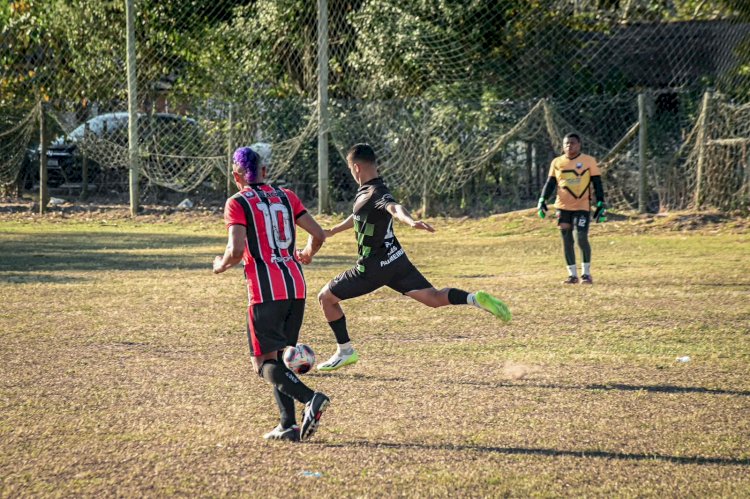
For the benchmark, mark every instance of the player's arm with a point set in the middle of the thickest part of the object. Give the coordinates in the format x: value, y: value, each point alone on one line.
x: 600, y: 214
x: 399, y: 212
x: 345, y: 225
x: 235, y: 248
x: 315, y: 239
x: 547, y: 190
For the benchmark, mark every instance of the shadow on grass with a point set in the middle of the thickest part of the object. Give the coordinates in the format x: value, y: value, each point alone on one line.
x: 342, y: 262
x: 550, y: 386
x: 617, y: 386
x: 88, y: 251
x: 524, y: 451
x: 359, y: 377
x: 26, y: 278
x: 30, y: 257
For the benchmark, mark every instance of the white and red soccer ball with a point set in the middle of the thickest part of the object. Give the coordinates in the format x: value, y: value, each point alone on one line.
x: 299, y: 359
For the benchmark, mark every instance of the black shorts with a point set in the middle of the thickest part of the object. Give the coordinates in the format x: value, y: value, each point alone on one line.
x: 579, y: 219
x: 274, y: 325
x: 401, y: 275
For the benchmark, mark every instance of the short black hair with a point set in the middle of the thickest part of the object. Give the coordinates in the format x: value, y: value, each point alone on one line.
x: 362, y: 152
x: 573, y: 135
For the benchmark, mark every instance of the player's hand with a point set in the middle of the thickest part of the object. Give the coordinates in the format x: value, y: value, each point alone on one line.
x: 328, y: 233
x: 419, y: 224
x: 218, y: 265
x: 541, y: 208
x: 600, y: 215
x: 304, y: 257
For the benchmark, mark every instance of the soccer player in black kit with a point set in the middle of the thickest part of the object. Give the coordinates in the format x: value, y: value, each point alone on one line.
x: 381, y: 259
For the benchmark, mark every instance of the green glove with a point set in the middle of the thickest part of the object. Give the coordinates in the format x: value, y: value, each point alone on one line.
x: 541, y: 208
x: 600, y: 215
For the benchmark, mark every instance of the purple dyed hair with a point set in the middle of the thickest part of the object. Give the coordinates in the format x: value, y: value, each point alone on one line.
x: 248, y: 162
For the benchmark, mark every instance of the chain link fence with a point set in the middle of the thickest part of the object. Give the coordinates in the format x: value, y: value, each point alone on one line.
x: 465, y: 101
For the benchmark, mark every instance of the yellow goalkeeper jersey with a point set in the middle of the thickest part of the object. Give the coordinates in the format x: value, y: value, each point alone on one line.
x: 574, y: 181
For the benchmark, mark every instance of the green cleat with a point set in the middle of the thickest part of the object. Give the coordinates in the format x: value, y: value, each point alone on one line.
x: 339, y: 360
x: 493, y: 305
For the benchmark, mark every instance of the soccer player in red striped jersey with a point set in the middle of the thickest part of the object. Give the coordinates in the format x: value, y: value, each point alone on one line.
x: 261, y: 220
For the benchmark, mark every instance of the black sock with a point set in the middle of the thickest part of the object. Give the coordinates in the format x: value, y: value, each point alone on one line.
x: 286, y: 381
x: 568, y: 246
x: 458, y: 296
x: 339, y: 330
x: 286, y: 408
x: 583, y: 243
x: 285, y: 403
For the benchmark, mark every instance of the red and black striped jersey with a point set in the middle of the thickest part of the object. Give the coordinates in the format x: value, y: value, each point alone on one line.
x: 269, y: 214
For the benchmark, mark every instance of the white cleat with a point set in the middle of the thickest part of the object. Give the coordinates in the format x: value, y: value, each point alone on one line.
x: 339, y: 360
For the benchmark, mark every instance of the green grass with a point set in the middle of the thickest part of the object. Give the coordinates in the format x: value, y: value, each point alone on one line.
x: 125, y: 369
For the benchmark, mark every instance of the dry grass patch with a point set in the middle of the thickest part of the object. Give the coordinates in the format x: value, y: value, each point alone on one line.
x: 125, y: 368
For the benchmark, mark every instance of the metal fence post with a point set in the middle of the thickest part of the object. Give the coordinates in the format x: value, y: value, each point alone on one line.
x: 702, y: 149
x: 642, y: 152
x: 230, y: 149
x: 85, y: 166
x: 324, y: 202
x: 43, y: 188
x: 132, y: 109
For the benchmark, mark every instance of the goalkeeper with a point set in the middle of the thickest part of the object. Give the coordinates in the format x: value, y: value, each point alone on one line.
x: 573, y: 174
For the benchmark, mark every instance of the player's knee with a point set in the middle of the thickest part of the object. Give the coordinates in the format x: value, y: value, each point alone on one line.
x: 258, y: 366
x: 565, y: 227
x: 326, y: 298
x: 271, y: 371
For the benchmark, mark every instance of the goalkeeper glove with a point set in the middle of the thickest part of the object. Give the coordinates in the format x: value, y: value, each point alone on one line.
x: 541, y: 208
x: 600, y: 215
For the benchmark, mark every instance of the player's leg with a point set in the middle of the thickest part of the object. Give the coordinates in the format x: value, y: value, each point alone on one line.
x: 345, y: 354
x: 284, y: 402
x: 583, y: 221
x: 315, y: 407
x: 409, y: 280
x: 565, y: 224
x: 266, y: 338
x: 287, y: 428
x: 346, y: 285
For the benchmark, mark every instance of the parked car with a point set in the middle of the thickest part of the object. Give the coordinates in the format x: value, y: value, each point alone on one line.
x: 165, y: 132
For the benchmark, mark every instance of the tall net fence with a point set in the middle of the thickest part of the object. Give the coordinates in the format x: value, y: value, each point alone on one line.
x: 465, y: 102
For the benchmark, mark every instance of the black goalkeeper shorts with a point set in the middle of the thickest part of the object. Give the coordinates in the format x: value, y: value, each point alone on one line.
x: 400, y: 275
x: 580, y: 219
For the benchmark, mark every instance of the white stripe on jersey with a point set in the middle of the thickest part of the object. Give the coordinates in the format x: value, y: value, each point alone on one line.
x: 260, y: 252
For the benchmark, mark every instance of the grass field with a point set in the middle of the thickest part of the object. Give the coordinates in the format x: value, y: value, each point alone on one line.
x: 125, y: 369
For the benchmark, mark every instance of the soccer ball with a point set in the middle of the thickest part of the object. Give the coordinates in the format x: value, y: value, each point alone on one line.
x: 299, y: 359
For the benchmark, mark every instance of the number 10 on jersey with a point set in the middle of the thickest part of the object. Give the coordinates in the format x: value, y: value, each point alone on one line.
x: 278, y: 225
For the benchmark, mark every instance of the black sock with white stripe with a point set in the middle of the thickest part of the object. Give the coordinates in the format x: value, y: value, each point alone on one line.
x: 286, y: 381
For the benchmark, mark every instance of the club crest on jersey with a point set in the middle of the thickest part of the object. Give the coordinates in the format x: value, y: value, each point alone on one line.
x: 579, y: 165
x: 248, y: 194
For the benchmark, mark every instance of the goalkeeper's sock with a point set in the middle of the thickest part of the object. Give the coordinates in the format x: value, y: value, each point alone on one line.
x: 586, y: 268
x: 572, y: 270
